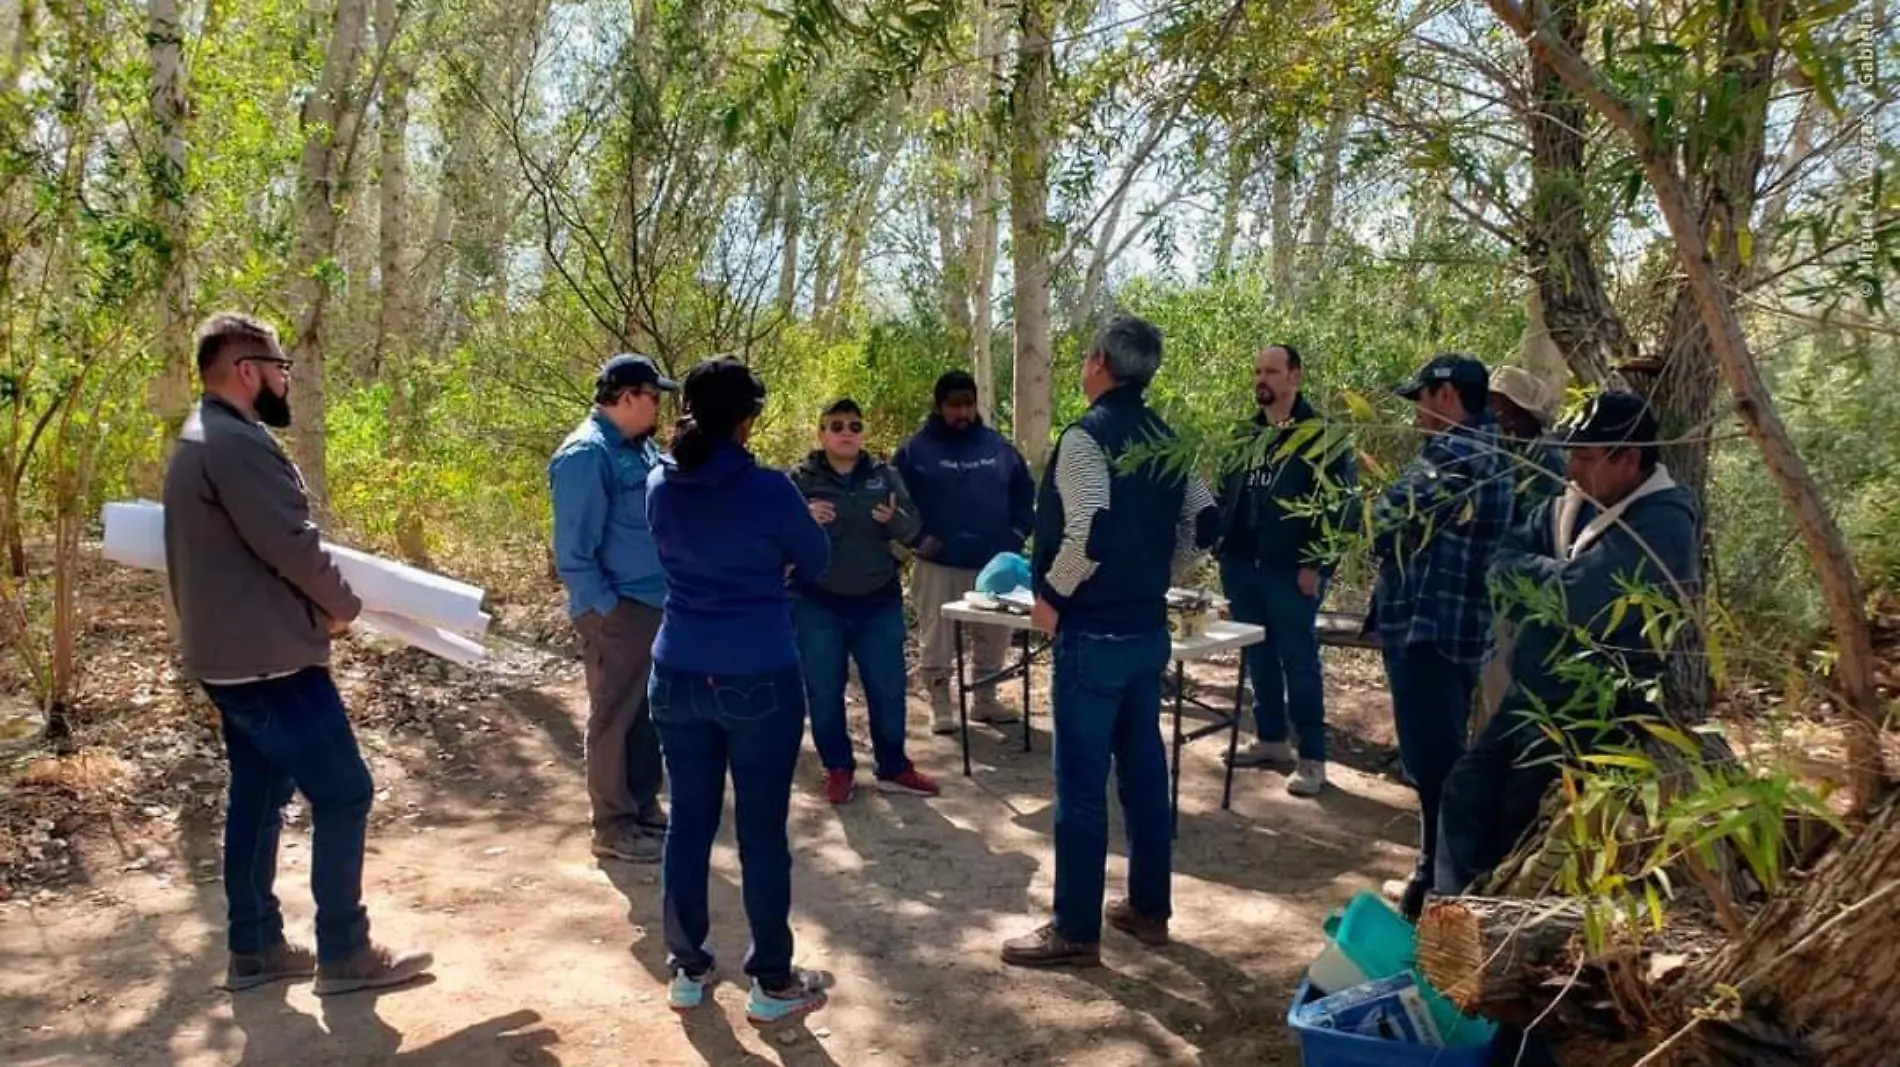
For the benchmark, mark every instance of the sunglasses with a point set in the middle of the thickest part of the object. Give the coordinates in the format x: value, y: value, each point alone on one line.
x: 845, y: 426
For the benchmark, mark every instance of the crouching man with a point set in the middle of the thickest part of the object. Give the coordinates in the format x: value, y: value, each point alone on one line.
x: 1621, y: 525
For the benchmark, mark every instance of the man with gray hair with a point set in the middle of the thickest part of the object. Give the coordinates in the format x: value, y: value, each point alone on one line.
x: 1109, y: 539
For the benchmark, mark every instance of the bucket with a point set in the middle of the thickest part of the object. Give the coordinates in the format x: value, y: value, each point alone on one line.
x: 1365, y: 941
x: 1320, y: 1047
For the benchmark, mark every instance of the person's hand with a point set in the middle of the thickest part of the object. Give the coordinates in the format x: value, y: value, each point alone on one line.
x: 1043, y: 616
x: 929, y: 547
x: 823, y: 510
x: 338, y: 627
x: 885, y: 509
x: 1309, y: 581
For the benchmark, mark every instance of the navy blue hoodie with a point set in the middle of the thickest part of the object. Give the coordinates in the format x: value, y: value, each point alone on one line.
x: 728, y: 533
x: 972, y: 489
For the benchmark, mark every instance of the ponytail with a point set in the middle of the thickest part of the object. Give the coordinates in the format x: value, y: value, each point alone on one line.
x: 693, y: 443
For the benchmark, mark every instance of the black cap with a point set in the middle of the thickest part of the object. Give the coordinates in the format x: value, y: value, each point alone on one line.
x: 1449, y: 367
x: 1615, y: 417
x: 628, y: 370
x: 723, y: 391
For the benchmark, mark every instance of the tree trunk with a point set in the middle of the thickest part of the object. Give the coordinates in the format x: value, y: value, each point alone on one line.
x: 1239, y: 166
x: 171, y: 208
x: 392, y: 182
x: 986, y: 200
x: 1099, y: 258
x: 1319, y: 219
x: 1577, y: 309
x: 1280, y: 193
x: 1494, y: 956
x: 326, y: 122
x: 857, y: 229
x: 1029, y: 228
x: 791, y: 216
x: 1820, y: 963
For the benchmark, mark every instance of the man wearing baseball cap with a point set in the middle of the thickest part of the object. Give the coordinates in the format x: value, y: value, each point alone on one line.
x: 603, y: 551
x: 1621, y: 524
x: 1523, y: 405
x: 1434, y: 531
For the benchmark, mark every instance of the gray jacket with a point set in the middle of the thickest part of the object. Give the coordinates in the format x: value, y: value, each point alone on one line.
x: 861, y: 559
x: 254, y: 590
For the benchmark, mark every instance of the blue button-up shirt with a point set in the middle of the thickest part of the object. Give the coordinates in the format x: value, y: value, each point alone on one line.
x: 603, y: 549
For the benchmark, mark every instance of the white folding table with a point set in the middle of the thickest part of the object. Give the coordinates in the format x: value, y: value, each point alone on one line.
x: 1220, y: 636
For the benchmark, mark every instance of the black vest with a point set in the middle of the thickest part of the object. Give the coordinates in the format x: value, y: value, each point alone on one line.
x: 1133, y: 540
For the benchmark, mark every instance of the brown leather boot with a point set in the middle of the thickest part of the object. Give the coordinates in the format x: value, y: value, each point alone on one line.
x: 1122, y: 916
x: 1046, y: 948
x: 281, y: 962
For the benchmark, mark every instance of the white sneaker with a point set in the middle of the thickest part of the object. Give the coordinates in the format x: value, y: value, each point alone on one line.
x: 1309, y: 777
x: 943, y: 715
x: 1261, y: 753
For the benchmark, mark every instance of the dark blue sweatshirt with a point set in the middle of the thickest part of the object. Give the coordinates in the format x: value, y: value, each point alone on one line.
x: 972, y: 490
x: 728, y: 532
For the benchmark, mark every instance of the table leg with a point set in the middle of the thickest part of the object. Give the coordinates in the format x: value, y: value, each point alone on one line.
x: 1023, y: 636
x: 1174, y: 802
x: 1233, y: 734
x: 963, y: 695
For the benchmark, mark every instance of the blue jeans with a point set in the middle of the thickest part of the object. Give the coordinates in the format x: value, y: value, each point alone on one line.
x: 876, y: 642
x: 752, y: 725
x: 1108, y: 706
x: 282, y: 735
x: 1287, y: 682
x: 1431, y: 705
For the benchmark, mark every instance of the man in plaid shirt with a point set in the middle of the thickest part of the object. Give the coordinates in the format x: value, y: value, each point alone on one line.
x: 1435, y: 530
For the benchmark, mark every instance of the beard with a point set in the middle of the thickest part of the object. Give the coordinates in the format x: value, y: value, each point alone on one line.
x: 1265, y: 396
x: 273, y: 409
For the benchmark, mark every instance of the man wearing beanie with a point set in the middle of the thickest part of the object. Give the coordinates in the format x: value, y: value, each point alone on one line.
x: 975, y: 498
x: 603, y: 551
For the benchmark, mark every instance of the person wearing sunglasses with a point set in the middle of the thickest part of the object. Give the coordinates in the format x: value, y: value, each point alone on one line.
x: 259, y: 601
x: 855, y: 610
x: 604, y: 554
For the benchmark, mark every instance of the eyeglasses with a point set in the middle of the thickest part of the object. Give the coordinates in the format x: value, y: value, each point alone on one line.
x: 278, y: 361
x: 844, y: 426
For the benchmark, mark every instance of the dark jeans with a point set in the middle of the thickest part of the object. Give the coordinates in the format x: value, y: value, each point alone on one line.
x: 752, y: 725
x: 1108, y: 707
x: 623, y: 752
x: 284, y: 734
x: 1431, y: 703
x: 876, y: 642
x: 1491, y: 797
x: 1287, y: 683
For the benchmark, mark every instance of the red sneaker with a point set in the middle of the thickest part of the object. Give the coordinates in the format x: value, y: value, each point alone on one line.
x: 840, y: 786
x: 912, y: 782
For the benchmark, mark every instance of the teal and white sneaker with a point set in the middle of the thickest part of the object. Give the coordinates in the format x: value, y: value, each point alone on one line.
x: 804, y: 995
x: 687, y: 991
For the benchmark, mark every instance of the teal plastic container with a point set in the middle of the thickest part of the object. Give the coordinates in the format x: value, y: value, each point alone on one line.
x: 1367, y: 941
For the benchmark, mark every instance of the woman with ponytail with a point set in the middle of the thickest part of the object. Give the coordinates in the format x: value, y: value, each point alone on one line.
x: 726, y: 692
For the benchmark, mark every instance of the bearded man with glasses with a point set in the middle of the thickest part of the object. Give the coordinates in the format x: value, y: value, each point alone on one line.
x: 855, y: 609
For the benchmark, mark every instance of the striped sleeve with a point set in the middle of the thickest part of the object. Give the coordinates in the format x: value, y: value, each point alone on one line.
x: 1189, y: 541
x: 1082, y: 482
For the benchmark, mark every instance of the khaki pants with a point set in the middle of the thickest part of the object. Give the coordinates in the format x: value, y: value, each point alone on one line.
x: 1495, y: 677
x: 623, y: 751
x: 931, y: 587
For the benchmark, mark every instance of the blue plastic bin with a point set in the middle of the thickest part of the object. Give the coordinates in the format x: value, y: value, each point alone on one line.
x: 1368, y: 937
x: 1320, y: 1047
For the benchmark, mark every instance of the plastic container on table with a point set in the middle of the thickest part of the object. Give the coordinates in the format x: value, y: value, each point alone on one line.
x: 1320, y: 1047
x: 1365, y: 941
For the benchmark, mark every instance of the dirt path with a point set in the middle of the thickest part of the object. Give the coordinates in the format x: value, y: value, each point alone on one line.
x: 478, y: 852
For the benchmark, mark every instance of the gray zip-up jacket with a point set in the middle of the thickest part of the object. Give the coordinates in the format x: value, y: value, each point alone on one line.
x: 254, y: 589
x: 861, y: 559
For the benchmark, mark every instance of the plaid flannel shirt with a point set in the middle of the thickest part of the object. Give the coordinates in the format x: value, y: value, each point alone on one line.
x: 1435, y: 530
